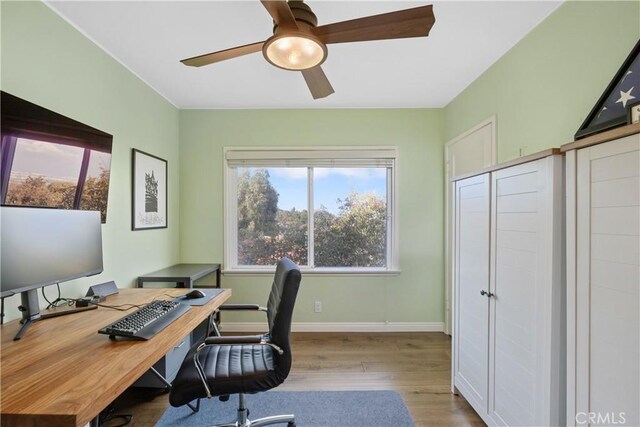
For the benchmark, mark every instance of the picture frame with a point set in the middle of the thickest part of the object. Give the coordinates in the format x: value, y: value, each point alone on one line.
x: 634, y: 113
x: 611, y: 109
x: 149, y: 193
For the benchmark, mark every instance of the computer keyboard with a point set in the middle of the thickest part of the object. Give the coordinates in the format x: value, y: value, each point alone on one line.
x: 147, y: 321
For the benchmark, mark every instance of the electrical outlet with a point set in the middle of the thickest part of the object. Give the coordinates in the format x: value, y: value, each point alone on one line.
x: 317, y: 307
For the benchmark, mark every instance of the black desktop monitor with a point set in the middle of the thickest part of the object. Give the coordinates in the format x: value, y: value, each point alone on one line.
x: 41, y: 247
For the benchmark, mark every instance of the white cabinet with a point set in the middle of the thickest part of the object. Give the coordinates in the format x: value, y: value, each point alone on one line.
x: 508, y: 343
x: 471, y: 276
x: 603, y: 280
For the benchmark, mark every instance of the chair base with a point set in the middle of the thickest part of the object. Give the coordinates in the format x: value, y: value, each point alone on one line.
x: 244, y: 421
x: 276, y: 419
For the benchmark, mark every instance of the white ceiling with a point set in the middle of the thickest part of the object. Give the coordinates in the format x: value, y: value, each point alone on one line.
x: 150, y: 37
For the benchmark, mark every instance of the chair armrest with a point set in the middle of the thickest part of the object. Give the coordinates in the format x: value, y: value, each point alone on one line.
x: 243, y: 339
x: 240, y: 339
x: 237, y: 307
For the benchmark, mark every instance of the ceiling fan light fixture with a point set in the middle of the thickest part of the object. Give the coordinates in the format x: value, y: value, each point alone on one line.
x: 294, y: 51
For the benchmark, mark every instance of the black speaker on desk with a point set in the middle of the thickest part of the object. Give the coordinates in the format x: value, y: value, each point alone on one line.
x: 103, y: 289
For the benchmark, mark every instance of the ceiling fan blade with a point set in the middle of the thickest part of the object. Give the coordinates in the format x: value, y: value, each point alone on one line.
x: 318, y: 83
x: 281, y: 13
x: 222, y: 55
x: 416, y: 22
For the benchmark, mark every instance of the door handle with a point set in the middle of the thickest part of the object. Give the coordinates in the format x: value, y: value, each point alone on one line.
x: 488, y: 294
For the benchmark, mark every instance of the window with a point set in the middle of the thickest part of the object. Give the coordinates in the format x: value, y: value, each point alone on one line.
x: 329, y: 210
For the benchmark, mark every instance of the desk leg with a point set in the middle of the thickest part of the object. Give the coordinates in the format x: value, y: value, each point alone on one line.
x: 216, y: 317
x: 161, y: 378
x: 213, y: 325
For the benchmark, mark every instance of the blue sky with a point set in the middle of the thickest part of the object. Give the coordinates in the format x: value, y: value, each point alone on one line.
x: 55, y: 161
x: 329, y: 185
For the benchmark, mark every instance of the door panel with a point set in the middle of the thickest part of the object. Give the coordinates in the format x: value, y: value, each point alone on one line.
x: 608, y: 280
x: 471, y: 275
x: 516, y: 305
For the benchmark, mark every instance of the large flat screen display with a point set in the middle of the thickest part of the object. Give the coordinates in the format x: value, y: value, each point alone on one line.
x: 49, y: 160
x: 41, y: 247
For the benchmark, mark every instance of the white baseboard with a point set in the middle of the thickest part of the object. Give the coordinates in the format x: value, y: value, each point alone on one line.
x: 340, y: 326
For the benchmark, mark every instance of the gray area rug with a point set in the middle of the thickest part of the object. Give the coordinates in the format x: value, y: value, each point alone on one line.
x: 311, y: 408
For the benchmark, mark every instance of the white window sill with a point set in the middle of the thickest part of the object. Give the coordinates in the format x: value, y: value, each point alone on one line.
x: 329, y: 272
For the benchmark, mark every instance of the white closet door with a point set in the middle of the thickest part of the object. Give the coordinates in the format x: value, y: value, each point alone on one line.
x: 471, y: 275
x: 521, y: 282
x: 607, y: 280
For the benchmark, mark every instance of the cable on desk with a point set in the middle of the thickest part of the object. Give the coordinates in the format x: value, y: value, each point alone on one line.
x: 59, y: 301
x: 130, y: 306
x: 120, y: 307
x: 170, y: 296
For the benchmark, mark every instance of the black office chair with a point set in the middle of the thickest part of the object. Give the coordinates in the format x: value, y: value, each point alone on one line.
x: 221, y: 366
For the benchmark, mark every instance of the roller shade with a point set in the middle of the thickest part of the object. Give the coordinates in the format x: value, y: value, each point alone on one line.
x: 300, y: 157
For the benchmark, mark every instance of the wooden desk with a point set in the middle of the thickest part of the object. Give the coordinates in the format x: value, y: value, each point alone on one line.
x: 182, y: 274
x: 64, y: 373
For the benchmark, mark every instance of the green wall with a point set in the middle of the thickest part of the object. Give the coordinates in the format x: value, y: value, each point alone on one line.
x: 46, y: 61
x: 540, y: 91
x: 544, y: 87
x: 416, y: 295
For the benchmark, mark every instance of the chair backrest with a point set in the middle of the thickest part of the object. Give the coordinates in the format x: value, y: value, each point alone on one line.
x: 280, y: 310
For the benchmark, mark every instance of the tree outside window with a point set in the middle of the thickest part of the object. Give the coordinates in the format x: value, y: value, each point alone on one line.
x: 349, y: 221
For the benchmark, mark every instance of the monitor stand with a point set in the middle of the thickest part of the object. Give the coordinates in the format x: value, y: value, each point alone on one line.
x: 30, y: 309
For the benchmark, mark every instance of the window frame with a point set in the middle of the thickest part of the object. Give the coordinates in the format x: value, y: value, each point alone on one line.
x: 331, y: 156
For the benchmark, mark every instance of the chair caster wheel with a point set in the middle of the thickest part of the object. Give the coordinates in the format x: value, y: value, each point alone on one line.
x: 291, y: 424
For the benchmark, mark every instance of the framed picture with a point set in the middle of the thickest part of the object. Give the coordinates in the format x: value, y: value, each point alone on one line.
x: 149, y: 191
x: 611, y: 109
x: 634, y: 113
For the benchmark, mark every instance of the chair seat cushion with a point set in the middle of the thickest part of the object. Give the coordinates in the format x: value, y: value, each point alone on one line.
x: 229, y: 369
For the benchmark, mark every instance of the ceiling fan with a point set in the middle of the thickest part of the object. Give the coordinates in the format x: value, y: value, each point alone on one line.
x: 297, y: 44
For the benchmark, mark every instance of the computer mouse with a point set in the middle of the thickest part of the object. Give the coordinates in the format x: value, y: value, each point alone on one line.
x: 195, y: 294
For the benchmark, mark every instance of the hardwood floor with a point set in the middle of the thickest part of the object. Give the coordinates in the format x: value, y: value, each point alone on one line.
x: 416, y: 365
